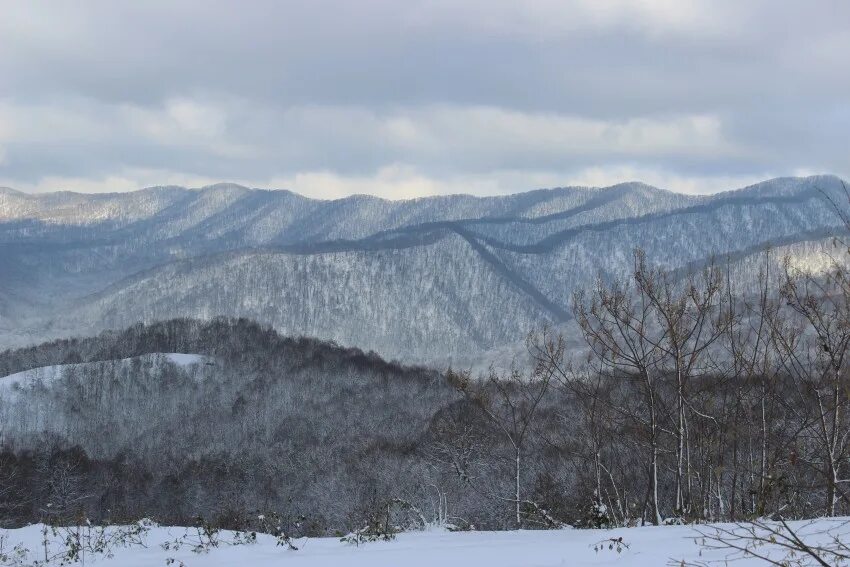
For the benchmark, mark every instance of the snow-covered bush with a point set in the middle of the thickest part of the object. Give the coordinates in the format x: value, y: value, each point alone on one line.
x: 596, y: 515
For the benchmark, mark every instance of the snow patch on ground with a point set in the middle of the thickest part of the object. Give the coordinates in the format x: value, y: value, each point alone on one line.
x: 647, y: 546
x: 48, y: 374
x: 20, y: 379
x: 181, y: 359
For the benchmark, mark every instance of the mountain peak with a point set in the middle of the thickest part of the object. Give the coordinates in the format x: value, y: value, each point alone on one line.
x: 775, y: 186
x: 784, y: 186
x: 320, y: 267
x: 225, y: 186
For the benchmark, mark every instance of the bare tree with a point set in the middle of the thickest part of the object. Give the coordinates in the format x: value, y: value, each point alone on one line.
x: 691, y: 318
x: 510, y: 401
x: 619, y: 329
x: 776, y: 542
x: 816, y: 356
x: 10, y: 499
x: 64, y: 488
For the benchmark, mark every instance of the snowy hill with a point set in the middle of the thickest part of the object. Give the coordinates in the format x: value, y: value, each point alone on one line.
x: 434, y: 279
x: 39, y: 401
x: 48, y: 375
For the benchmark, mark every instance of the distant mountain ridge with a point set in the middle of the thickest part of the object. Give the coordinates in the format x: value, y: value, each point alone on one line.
x: 434, y: 279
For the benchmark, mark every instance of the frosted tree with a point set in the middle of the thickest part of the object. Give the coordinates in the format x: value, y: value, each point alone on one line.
x: 510, y: 401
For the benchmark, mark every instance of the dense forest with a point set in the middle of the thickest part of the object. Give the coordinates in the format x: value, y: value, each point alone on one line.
x: 265, y: 422
x: 689, y: 403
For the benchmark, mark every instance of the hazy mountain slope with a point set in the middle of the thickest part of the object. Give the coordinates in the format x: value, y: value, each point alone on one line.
x: 426, y: 279
x: 673, y: 241
x: 86, y: 209
x: 442, y: 299
x: 231, y: 216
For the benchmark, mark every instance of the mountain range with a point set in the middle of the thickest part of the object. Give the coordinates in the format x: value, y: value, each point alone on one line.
x: 448, y: 279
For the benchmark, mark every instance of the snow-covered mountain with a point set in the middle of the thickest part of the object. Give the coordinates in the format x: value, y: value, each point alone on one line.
x: 432, y: 279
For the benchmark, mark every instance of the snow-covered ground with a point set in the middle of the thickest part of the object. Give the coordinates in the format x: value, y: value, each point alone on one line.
x: 643, y: 547
x: 182, y: 359
x: 48, y: 374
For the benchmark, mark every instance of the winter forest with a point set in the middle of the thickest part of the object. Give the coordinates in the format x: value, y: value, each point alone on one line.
x: 425, y: 283
x: 674, y: 397
x: 687, y: 403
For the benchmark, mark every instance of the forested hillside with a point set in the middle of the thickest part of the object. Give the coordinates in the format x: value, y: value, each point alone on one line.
x: 693, y: 400
x: 256, y: 422
x: 441, y: 280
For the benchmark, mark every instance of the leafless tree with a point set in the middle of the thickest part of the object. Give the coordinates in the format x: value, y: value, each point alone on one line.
x: 691, y: 317
x: 510, y: 401
x: 776, y: 542
x: 620, y: 331
x: 815, y: 354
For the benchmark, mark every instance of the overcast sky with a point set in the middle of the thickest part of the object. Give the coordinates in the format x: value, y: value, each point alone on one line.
x: 406, y: 98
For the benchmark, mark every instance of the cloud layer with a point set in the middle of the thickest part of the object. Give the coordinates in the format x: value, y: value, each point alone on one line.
x: 403, y: 99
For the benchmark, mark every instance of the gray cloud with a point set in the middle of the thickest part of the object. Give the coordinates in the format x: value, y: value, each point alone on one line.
x: 408, y: 98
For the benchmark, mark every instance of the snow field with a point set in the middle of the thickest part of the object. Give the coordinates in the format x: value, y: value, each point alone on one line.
x: 643, y: 547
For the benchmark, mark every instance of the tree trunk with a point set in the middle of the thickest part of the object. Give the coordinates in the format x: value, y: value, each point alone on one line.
x: 680, y: 440
x: 516, y: 493
x: 653, y: 466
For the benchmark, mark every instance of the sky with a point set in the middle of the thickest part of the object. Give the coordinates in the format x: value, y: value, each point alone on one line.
x: 407, y: 98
